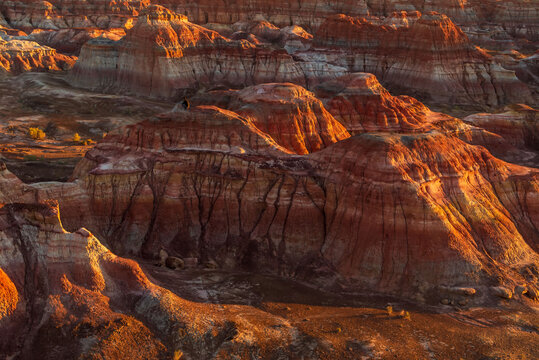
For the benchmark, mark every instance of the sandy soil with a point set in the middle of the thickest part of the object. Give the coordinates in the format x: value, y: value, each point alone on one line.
x: 359, y: 327
x: 49, y: 103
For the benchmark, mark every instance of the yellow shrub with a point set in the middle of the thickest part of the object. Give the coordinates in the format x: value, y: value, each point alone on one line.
x: 36, y: 133
x: 76, y: 137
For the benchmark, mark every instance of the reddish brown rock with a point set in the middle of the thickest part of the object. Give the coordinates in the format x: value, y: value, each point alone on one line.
x: 430, y: 57
x: 164, y: 54
x: 362, y: 104
x: 330, y: 208
x: 518, y: 124
x: 71, y: 40
x: 17, y: 56
x: 289, y: 114
x: 397, y: 214
x: 65, y: 294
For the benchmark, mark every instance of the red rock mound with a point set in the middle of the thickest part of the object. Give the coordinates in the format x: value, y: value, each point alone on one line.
x: 164, y: 54
x: 17, y: 56
x: 362, y: 104
x: 428, y: 56
x: 289, y: 114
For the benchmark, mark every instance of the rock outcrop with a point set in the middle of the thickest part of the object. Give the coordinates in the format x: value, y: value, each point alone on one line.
x: 65, y: 294
x: 17, y: 56
x: 518, y: 124
x: 292, y: 116
x: 362, y: 104
x: 70, y: 41
x: 427, y: 56
x: 164, y: 54
x: 399, y: 214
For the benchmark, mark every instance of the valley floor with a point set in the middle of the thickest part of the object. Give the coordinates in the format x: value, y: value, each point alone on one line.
x: 360, y: 327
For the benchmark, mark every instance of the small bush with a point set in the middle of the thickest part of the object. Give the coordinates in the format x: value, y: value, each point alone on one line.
x: 36, y: 133
x: 389, y: 310
x: 407, y: 315
x: 76, y: 137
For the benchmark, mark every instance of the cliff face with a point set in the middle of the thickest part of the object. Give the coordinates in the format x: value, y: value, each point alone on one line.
x: 165, y: 56
x: 65, y: 294
x: 425, y: 55
x: 400, y: 214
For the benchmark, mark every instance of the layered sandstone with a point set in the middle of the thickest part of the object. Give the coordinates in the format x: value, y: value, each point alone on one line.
x: 400, y: 214
x: 17, y: 56
x: 288, y: 113
x: 70, y: 41
x: 164, y: 54
x: 66, y: 294
x: 428, y: 56
x: 518, y: 124
x: 369, y: 207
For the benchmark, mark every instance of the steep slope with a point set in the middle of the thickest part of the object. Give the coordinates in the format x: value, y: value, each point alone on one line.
x: 288, y: 113
x: 164, y: 54
x: 428, y: 56
x: 65, y: 295
x: 401, y: 214
x: 362, y: 104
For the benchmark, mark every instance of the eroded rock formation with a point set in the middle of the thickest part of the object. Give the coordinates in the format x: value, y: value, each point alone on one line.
x: 427, y: 55
x: 17, y: 56
x: 397, y: 213
x: 164, y: 54
x: 288, y: 113
x: 65, y: 294
x: 518, y: 124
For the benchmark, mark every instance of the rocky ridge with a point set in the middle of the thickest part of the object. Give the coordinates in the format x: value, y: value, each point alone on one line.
x: 17, y: 56
x: 427, y: 56
x: 431, y: 211
x: 66, y: 294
